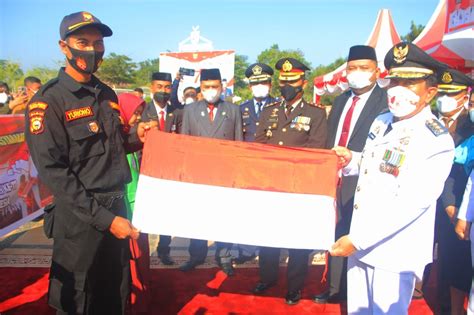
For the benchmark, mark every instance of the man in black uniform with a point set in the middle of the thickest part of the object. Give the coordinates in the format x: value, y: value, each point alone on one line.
x: 77, y: 143
x: 169, y: 118
x: 291, y: 122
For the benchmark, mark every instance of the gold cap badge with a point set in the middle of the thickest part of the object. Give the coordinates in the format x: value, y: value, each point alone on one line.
x: 400, y: 53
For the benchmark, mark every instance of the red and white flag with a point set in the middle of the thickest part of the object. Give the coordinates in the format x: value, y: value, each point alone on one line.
x: 236, y: 192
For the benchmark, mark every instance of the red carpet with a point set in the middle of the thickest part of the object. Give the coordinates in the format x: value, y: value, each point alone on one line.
x: 202, y: 291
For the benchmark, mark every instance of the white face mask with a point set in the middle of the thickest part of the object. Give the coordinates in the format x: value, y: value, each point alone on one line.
x: 211, y: 95
x: 471, y: 115
x: 188, y: 100
x: 402, y: 101
x: 3, y: 97
x: 359, y: 79
x: 260, y: 90
x: 446, y: 104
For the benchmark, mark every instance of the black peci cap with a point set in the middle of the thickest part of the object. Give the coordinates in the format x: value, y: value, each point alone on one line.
x: 453, y: 81
x: 76, y: 21
x: 210, y: 74
x: 359, y: 52
x: 408, y: 61
x: 259, y: 72
x: 161, y: 76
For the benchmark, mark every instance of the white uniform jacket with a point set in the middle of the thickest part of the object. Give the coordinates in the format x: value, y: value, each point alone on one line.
x: 401, y: 175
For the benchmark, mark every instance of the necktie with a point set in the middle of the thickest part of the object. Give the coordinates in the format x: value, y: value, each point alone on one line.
x: 446, y: 121
x: 259, y: 108
x: 162, y: 120
x: 288, y: 110
x: 389, y: 128
x: 346, y: 126
x: 211, y: 111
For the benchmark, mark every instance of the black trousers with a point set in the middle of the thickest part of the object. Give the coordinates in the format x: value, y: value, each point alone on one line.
x: 269, y: 259
x: 164, y: 245
x: 198, y: 251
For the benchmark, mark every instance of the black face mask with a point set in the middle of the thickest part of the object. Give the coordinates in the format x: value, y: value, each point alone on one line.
x: 161, y: 97
x: 86, y: 62
x: 289, y: 92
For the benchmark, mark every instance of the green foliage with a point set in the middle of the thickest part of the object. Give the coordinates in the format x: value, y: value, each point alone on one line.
x: 42, y: 73
x: 11, y: 73
x: 326, y: 99
x: 117, y: 70
x: 240, y: 83
x: 415, y: 30
x: 142, y: 75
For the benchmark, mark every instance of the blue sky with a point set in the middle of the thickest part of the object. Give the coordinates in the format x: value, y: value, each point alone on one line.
x: 322, y: 29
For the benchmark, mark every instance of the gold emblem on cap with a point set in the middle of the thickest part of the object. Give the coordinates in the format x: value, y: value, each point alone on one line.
x: 447, y: 78
x: 87, y: 17
x: 287, y: 66
x: 257, y: 70
x: 400, y: 53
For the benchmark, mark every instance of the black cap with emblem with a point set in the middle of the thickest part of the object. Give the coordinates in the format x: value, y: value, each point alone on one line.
x: 259, y: 72
x: 453, y: 81
x: 408, y: 61
x: 290, y: 69
x: 359, y: 52
x: 76, y: 21
x: 161, y: 76
x: 210, y: 74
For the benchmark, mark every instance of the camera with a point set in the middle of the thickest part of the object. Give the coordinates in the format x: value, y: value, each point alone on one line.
x: 186, y: 71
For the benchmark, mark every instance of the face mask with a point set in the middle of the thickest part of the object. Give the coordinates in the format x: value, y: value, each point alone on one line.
x: 289, y: 92
x: 189, y: 100
x: 401, y: 101
x: 211, y: 95
x: 446, y: 104
x: 260, y: 90
x: 161, y: 97
x: 471, y: 115
x: 86, y: 62
x: 359, y: 79
x: 3, y: 98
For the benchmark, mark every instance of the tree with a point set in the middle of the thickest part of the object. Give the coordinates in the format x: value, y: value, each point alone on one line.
x: 42, y: 73
x: 240, y: 83
x: 270, y: 57
x: 117, y: 70
x: 322, y: 70
x: 142, y: 75
x: 11, y: 73
x: 415, y: 30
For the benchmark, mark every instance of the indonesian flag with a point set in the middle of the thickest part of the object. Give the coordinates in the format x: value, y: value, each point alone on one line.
x: 236, y: 192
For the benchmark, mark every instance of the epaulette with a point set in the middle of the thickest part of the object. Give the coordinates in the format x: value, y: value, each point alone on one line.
x: 273, y: 104
x: 47, y: 85
x: 317, y: 105
x: 436, y: 127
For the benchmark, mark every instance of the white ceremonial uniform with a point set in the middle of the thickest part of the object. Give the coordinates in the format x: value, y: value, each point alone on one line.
x: 466, y: 213
x: 401, y: 175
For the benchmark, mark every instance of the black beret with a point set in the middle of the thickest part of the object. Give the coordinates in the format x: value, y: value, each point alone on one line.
x: 408, y: 61
x: 453, y: 81
x: 259, y: 72
x: 76, y: 21
x: 362, y: 52
x: 161, y: 76
x: 290, y: 69
x: 210, y: 74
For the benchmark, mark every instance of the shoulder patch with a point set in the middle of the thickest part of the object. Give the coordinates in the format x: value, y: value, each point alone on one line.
x: 436, y: 127
x: 36, y: 124
x: 37, y: 105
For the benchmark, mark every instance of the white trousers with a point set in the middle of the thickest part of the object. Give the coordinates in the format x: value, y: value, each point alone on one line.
x: 374, y: 291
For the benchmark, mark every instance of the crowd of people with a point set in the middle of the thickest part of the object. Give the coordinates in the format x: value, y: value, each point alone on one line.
x: 405, y: 178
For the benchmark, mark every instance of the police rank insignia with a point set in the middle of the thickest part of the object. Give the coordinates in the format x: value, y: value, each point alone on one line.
x: 93, y: 127
x: 400, y: 53
x: 301, y: 123
x: 436, y: 127
x: 79, y: 113
x: 393, y: 160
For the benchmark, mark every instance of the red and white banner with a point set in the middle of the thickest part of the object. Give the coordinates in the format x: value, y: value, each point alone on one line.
x: 222, y: 59
x: 237, y: 192
x: 22, y: 196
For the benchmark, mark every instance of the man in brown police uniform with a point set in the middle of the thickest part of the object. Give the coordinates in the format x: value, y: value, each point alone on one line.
x: 291, y: 122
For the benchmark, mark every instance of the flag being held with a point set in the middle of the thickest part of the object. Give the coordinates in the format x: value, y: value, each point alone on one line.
x: 236, y: 192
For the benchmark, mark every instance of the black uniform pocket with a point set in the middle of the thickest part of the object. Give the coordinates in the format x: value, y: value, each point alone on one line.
x: 87, y: 140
